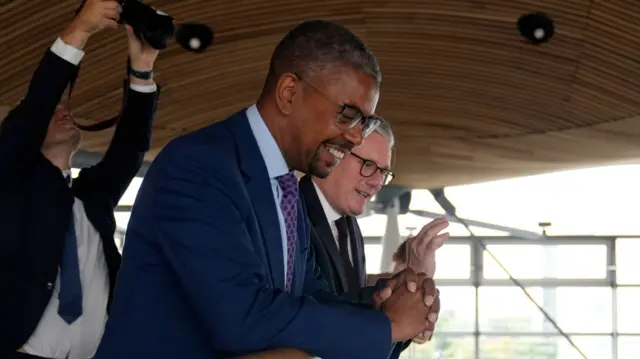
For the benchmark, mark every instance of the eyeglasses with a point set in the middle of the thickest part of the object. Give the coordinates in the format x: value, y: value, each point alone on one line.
x: 349, y: 116
x: 369, y: 168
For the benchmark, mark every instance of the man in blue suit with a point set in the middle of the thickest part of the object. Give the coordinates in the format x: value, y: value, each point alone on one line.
x: 217, y: 261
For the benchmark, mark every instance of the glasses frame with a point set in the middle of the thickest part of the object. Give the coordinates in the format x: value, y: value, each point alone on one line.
x: 344, y: 122
x: 387, y: 174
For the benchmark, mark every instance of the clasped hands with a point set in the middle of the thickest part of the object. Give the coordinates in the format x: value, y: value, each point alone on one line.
x: 411, y: 301
x: 414, y: 287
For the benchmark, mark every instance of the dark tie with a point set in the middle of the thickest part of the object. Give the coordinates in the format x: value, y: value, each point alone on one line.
x: 343, y: 244
x: 288, y: 204
x: 70, y: 296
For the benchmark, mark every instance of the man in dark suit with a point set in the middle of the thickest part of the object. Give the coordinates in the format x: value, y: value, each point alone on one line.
x: 333, y: 204
x: 217, y: 261
x: 58, y: 257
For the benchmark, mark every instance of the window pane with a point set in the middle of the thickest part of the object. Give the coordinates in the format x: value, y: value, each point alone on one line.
x: 453, y: 261
x: 507, y: 309
x: 130, y: 194
x: 627, y: 264
x: 547, y: 261
x: 628, y: 347
x: 552, y: 347
x: 442, y: 346
x: 628, y: 318
x: 457, y: 309
x: 373, y: 256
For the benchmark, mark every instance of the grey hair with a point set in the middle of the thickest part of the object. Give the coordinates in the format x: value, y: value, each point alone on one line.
x: 384, y: 130
x: 316, y: 45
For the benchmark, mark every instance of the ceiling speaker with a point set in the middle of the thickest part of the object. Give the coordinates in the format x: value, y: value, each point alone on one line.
x: 537, y: 27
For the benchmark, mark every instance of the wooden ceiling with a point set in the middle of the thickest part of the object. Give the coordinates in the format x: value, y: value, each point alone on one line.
x: 469, y: 101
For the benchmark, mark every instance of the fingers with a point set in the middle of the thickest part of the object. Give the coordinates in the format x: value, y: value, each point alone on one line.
x: 411, y: 278
x: 439, y: 240
x: 434, y: 311
x: 130, y: 34
x: 384, y: 293
x: 112, y: 13
x: 429, y: 232
x: 430, y: 292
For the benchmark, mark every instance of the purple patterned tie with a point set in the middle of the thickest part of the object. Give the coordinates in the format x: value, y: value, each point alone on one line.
x: 288, y: 204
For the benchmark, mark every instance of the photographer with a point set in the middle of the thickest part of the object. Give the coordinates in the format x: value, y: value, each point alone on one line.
x: 58, y: 257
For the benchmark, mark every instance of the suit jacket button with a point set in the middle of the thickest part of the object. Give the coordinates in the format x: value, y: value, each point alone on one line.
x: 49, y: 285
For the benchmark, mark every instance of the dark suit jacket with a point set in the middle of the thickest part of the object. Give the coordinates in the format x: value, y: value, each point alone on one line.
x: 328, y: 256
x: 36, y: 201
x: 326, y: 250
x: 203, y: 275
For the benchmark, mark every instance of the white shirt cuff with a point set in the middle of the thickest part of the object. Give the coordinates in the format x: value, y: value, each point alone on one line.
x: 67, y: 52
x: 73, y: 55
x: 144, y: 88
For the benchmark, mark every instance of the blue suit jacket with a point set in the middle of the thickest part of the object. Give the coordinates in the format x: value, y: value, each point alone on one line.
x: 202, y: 273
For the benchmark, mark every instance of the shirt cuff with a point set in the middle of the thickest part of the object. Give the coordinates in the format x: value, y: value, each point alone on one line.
x: 67, y: 52
x: 144, y: 88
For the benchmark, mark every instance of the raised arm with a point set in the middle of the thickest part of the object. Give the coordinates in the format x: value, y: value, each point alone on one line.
x: 24, y: 129
x: 132, y: 138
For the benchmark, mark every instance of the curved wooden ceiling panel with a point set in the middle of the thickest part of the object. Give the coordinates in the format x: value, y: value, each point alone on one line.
x: 468, y: 99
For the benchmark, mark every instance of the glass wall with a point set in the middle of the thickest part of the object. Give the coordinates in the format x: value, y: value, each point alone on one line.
x: 589, y: 286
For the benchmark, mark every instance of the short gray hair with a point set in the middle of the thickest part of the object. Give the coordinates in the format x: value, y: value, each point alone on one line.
x: 384, y: 130
x: 316, y: 45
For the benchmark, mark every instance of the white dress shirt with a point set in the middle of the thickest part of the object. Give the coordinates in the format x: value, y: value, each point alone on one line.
x: 53, y: 337
x: 332, y: 217
x: 276, y: 166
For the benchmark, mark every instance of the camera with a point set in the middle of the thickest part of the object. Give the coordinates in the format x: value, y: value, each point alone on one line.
x: 156, y: 28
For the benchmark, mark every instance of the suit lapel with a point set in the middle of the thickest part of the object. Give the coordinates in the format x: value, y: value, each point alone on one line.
x: 357, y: 249
x: 260, y: 193
x: 321, y: 225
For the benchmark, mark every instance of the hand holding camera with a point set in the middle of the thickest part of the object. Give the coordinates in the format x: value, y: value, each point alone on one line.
x: 97, y: 15
x: 141, y: 54
x: 94, y: 16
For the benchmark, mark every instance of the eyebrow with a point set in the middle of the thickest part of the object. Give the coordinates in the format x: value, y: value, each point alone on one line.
x: 355, y: 107
x: 370, y: 160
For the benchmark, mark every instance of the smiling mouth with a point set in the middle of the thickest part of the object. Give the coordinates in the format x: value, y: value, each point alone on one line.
x: 363, y: 194
x: 338, y: 154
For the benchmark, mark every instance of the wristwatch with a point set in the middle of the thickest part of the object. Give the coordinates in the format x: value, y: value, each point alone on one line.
x: 142, y: 75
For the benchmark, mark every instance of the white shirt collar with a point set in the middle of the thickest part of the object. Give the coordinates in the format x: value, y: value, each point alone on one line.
x: 329, y: 212
x: 271, y: 154
x: 67, y: 176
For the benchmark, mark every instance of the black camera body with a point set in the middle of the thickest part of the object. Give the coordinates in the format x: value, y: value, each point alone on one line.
x: 156, y: 28
x: 148, y: 24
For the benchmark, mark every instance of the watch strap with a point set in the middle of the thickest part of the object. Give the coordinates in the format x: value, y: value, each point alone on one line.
x: 143, y: 75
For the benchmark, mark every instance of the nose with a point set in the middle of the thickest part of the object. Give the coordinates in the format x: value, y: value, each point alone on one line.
x: 375, y: 181
x: 354, y: 136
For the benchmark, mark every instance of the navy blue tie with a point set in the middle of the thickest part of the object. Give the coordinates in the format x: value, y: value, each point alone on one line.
x: 70, y: 297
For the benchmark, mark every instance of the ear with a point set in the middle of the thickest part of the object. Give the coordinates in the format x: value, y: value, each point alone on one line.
x: 287, y: 88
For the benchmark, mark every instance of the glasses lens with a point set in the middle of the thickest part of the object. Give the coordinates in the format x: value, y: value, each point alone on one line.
x: 370, y: 125
x: 386, y: 178
x: 349, y: 117
x: 368, y: 168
